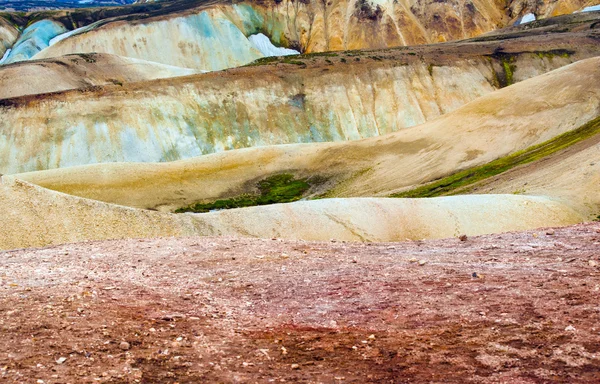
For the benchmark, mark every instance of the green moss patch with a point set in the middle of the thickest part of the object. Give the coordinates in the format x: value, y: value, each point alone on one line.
x: 448, y: 185
x: 282, y: 188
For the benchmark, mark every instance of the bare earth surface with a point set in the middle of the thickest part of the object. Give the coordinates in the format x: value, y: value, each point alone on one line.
x: 512, y: 308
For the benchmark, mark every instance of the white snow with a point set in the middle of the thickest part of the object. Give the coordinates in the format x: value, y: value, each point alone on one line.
x: 591, y: 8
x: 5, y: 56
x: 528, y: 18
x: 264, y: 45
x: 63, y: 36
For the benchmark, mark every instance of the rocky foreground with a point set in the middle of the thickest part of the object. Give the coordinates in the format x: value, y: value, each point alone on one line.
x: 515, y: 308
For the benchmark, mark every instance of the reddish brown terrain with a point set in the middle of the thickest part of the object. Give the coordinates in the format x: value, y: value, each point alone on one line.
x: 511, y: 308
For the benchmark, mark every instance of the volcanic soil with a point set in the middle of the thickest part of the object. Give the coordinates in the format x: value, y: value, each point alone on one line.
x: 513, y: 308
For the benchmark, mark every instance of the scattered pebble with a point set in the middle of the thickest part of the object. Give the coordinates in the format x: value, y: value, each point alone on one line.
x: 295, y: 366
x: 570, y: 328
x: 462, y: 237
x: 422, y: 262
x: 550, y: 232
x: 592, y: 263
x: 61, y: 360
x: 124, y: 345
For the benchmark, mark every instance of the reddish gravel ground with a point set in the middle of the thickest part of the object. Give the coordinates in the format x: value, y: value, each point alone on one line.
x: 512, y: 308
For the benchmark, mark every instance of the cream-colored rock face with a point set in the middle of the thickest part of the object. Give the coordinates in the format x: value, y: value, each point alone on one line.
x: 77, y: 71
x: 207, y: 40
x: 36, y: 217
x: 171, y: 120
x: 371, y: 219
x: 8, y: 36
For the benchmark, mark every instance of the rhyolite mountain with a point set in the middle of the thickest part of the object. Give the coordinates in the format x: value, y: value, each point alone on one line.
x: 192, y: 106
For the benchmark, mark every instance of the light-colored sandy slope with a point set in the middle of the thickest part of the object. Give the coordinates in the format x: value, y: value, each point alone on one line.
x: 572, y: 175
x: 79, y: 71
x: 34, y: 217
x: 492, y: 126
x: 332, y: 99
x: 8, y: 35
x: 380, y: 219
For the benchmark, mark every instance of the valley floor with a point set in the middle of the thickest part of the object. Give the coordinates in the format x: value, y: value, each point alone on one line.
x: 517, y: 307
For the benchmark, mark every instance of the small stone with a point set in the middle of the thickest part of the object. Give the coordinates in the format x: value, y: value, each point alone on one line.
x: 592, y: 263
x: 550, y: 232
x: 413, y: 260
x: 462, y: 237
x: 570, y: 328
x: 284, y: 351
x: 372, y: 337
x: 475, y: 275
x: 295, y: 366
x: 152, y: 330
x: 124, y: 345
x: 422, y: 262
x: 61, y: 360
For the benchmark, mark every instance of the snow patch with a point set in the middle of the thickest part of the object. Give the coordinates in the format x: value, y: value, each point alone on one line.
x: 6, y: 54
x: 528, y: 18
x: 264, y: 45
x: 63, y: 36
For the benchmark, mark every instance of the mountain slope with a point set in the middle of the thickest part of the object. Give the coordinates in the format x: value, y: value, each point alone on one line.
x: 488, y: 128
x: 79, y: 71
x: 34, y: 217
x: 194, y: 30
x: 311, y: 98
